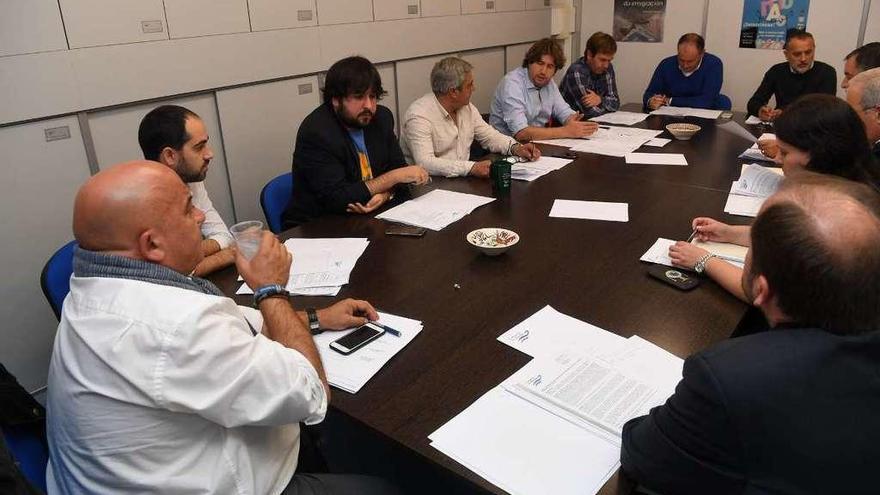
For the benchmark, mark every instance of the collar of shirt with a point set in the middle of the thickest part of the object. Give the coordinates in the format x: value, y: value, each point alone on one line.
x: 442, y: 110
x: 804, y: 72
x: 689, y: 74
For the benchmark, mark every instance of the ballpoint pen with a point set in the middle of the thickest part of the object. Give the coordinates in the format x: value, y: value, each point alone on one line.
x: 387, y: 329
x: 692, y: 236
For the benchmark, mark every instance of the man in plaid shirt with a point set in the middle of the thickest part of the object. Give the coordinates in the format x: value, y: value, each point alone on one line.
x: 589, y: 85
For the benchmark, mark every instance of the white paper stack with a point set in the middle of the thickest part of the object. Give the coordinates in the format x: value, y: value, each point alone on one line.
x: 658, y: 253
x: 616, y: 141
x: 590, y: 210
x: 525, y: 444
x: 756, y: 183
x: 621, y: 118
x: 320, y: 266
x: 754, y: 153
x: 529, y: 171
x: 435, y: 210
x: 752, y: 120
x: 352, y: 372
x: 687, y: 112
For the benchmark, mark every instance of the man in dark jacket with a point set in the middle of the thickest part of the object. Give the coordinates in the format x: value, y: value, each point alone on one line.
x: 347, y: 157
x: 792, y: 410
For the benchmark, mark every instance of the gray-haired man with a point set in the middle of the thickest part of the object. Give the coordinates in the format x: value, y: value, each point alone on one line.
x: 438, y: 128
x: 863, y: 95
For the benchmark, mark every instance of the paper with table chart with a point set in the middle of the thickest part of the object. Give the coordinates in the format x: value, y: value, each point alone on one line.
x: 529, y: 171
x: 621, y: 118
x: 737, y: 130
x: 754, y: 153
x: 656, y: 159
x: 757, y: 181
x: 320, y: 266
x: 590, y: 210
x: 436, y: 209
x: 352, y: 372
x: 558, y: 451
x: 687, y: 112
x: 608, y: 140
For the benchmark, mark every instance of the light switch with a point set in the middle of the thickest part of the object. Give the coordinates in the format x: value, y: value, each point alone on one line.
x: 57, y: 133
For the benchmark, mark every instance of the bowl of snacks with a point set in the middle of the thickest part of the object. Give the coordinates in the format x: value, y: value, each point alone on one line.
x: 492, y: 241
x: 682, y: 131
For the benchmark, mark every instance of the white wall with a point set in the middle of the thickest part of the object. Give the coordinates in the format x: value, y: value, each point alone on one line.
x: 872, y: 33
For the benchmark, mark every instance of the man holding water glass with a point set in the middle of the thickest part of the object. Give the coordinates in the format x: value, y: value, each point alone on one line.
x: 149, y: 360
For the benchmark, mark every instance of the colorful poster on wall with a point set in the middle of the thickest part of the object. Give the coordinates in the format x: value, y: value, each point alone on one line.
x: 639, y: 20
x: 765, y: 22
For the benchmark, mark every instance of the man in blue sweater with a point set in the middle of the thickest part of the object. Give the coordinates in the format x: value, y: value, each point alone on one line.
x: 690, y: 79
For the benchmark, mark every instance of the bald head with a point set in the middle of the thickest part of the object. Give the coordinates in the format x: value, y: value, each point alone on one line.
x: 815, y: 242
x: 133, y: 210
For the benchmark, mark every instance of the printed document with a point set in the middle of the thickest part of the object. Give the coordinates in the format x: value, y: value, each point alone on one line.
x: 436, y: 209
x: 656, y: 159
x: 590, y: 210
x: 529, y: 171
x: 687, y: 112
x: 621, y: 118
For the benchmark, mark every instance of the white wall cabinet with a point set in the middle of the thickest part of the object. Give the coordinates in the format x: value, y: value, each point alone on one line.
x: 188, y: 18
x: 509, y: 5
x: 30, y: 26
x: 259, y: 130
x: 477, y: 6
x: 344, y: 11
x: 488, y: 71
x: 414, y: 80
x: 38, y: 182
x: 385, y: 10
x: 281, y: 14
x: 432, y: 8
x: 540, y: 4
x: 110, y: 22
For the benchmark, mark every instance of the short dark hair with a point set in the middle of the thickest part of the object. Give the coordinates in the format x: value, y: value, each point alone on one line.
x: 601, y: 42
x: 796, y: 34
x: 817, y: 283
x: 866, y: 56
x: 164, y: 127
x: 352, y: 76
x: 694, y: 38
x: 832, y: 133
x: 546, y: 46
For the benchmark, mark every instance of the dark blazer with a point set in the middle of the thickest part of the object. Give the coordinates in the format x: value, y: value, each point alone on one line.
x: 788, y: 411
x: 326, y: 170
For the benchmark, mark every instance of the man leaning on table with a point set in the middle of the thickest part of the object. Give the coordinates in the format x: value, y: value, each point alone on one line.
x: 527, y: 104
x: 439, y: 127
x: 792, y: 410
x: 800, y: 74
x: 160, y: 384
x: 347, y: 158
x: 692, y: 78
x: 589, y: 84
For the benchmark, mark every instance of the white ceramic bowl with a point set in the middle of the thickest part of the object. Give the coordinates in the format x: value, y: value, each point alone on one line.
x: 492, y: 241
x: 683, y: 131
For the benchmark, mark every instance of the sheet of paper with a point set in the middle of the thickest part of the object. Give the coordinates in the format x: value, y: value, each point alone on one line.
x: 621, y: 118
x: 436, y: 209
x: 757, y: 181
x: 590, y: 210
x: 724, y: 250
x: 656, y: 159
x: 737, y: 130
x: 565, y: 143
x: 552, y: 455
x: 658, y: 142
x: 752, y: 120
x: 306, y: 291
x: 352, y: 372
x: 548, y: 332
x: 746, y: 206
x: 615, y: 141
x: 649, y: 362
x: 530, y: 171
x: 659, y: 252
x: 754, y: 152
x: 687, y: 112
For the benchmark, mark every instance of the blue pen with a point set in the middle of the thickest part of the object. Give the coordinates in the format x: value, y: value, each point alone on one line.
x: 387, y: 329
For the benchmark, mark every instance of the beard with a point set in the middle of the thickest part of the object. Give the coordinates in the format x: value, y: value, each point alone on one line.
x: 188, y: 176
x: 360, y: 121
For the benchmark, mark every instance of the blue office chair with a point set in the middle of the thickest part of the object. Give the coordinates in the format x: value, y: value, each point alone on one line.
x: 55, y: 278
x: 723, y: 102
x: 274, y: 198
x: 27, y: 445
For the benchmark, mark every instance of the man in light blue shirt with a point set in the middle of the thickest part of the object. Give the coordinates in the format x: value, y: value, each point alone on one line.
x: 527, y: 103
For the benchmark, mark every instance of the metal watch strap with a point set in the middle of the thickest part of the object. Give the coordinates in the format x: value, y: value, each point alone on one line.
x: 268, y: 291
x: 700, y: 267
x: 314, y: 325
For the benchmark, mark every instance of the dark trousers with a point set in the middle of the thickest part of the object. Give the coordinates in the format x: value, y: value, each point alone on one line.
x: 338, y: 484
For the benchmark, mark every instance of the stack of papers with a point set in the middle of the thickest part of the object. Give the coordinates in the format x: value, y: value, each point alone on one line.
x: 529, y: 171
x: 533, y: 434
x: 608, y: 141
x: 621, y: 118
x: 658, y: 253
x: 320, y: 266
x: 756, y: 183
x: 754, y: 153
x: 656, y: 159
x: 435, y: 210
x: 352, y: 372
x: 590, y: 210
x: 687, y: 112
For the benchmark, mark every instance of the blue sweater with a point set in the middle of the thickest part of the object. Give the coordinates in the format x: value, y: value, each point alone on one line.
x: 700, y: 90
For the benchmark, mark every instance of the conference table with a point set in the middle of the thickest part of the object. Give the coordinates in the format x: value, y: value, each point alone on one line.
x: 587, y: 269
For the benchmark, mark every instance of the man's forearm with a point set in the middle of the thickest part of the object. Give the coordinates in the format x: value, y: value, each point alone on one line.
x: 209, y: 247
x: 284, y: 325
x: 534, y: 133
x: 383, y: 183
x: 217, y: 261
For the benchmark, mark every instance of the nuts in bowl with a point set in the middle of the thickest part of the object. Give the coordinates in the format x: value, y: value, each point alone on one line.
x: 492, y: 241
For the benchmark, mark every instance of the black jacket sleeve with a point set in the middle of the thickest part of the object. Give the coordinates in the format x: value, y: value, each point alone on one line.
x: 689, y: 445
x: 762, y: 94
x: 828, y: 84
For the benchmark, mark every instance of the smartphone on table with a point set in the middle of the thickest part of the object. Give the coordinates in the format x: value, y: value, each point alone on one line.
x: 405, y: 230
x: 357, y: 339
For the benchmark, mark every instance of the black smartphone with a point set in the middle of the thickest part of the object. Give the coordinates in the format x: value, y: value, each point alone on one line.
x: 357, y: 339
x: 405, y: 230
x: 680, y: 279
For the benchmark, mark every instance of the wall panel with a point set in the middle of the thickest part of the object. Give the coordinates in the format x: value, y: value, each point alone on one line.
x: 281, y: 14
x: 344, y: 11
x: 30, y: 26
x: 109, y: 22
x: 488, y: 71
x: 187, y: 18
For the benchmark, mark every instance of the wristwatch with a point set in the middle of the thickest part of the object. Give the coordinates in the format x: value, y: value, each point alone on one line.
x: 268, y: 291
x: 314, y: 326
x: 700, y: 267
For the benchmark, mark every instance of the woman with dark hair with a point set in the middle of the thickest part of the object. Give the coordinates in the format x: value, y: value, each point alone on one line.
x: 817, y: 132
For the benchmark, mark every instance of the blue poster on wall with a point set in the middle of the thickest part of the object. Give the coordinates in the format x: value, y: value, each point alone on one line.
x: 765, y: 22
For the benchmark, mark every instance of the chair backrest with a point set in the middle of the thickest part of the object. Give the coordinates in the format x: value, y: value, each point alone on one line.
x: 27, y: 446
x: 274, y: 198
x: 55, y: 279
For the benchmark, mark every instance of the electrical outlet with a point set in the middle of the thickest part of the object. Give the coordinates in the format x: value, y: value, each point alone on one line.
x: 412, y: 9
x: 305, y: 89
x: 304, y: 15
x: 149, y: 27
x: 57, y: 133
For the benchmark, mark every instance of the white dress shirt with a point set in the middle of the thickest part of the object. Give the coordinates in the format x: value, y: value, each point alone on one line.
x: 213, y: 227
x: 155, y: 389
x: 442, y: 144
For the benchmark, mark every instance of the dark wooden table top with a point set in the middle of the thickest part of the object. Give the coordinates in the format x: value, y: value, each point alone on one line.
x: 587, y: 269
